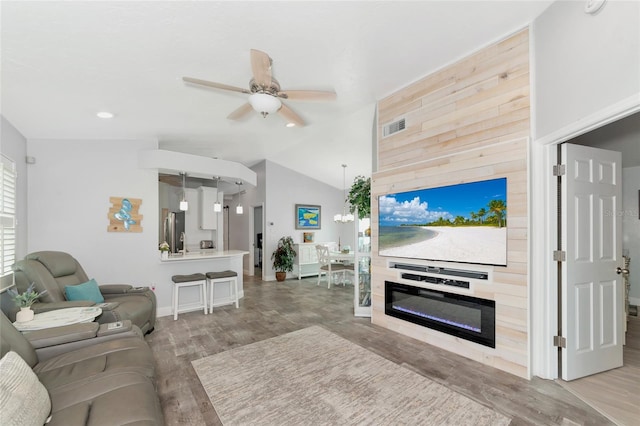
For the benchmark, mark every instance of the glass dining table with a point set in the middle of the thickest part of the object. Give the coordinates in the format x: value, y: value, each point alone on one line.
x: 346, y: 258
x: 341, y: 256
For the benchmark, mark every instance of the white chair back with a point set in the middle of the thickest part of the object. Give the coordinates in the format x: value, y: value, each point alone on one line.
x: 323, y: 254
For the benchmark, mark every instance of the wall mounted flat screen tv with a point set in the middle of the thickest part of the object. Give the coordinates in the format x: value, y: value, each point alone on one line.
x: 464, y: 223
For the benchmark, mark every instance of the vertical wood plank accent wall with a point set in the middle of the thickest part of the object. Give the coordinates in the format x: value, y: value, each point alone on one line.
x: 466, y: 122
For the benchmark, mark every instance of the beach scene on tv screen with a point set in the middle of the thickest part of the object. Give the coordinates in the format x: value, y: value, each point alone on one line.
x: 458, y: 223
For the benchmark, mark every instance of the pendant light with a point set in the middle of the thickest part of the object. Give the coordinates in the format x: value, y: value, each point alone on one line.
x: 184, y: 205
x: 239, y: 209
x: 217, y: 207
x: 344, y: 217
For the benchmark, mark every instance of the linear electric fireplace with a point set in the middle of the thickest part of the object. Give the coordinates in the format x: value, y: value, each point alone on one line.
x: 466, y: 317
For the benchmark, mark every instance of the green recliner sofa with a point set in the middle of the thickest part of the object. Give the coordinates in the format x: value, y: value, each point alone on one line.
x: 54, y: 270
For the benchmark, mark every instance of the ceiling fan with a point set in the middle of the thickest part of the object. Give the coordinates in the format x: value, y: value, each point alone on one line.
x: 265, y: 94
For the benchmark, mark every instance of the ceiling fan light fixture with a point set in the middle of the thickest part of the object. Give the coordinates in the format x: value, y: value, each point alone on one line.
x: 105, y: 114
x: 264, y: 104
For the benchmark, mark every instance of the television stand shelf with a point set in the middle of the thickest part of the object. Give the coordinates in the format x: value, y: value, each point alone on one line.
x: 478, y: 275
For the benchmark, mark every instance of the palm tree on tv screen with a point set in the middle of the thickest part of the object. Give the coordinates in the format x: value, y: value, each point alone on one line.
x: 497, y: 207
x: 481, y: 214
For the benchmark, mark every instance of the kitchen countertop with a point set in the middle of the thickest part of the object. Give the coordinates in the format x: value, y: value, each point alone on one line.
x: 204, y: 254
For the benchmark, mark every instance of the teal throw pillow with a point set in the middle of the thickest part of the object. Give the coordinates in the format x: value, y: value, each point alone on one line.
x: 84, y: 291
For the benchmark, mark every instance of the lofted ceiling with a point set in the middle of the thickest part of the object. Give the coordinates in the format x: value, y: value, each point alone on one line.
x: 62, y: 62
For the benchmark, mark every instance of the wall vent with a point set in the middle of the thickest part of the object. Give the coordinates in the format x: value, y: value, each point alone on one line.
x: 395, y: 127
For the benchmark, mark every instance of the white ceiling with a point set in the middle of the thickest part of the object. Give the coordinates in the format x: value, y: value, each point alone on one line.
x: 64, y: 61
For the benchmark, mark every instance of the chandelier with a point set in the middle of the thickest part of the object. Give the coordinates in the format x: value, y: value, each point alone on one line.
x: 344, y: 217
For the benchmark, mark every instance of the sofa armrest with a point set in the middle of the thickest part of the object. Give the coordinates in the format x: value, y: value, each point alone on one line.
x: 59, y: 340
x: 138, y: 290
x: 107, y: 306
x: 114, y: 288
x: 61, y: 335
x: 39, y: 307
x: 111, y: 289
x: 115, y: 328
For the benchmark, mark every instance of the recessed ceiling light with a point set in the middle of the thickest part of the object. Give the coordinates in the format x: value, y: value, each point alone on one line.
x: 105, y: 114
x: 291, y: 124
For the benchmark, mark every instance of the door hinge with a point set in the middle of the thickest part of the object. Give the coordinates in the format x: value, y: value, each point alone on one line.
x: 559, y: 341
x: 559, y: 256
x: 559, y: 170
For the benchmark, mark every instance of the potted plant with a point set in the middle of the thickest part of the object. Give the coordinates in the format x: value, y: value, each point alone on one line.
x: 24, y: 302
x: 164, y: 250
x: 283, y: 257
x: 360, y: 196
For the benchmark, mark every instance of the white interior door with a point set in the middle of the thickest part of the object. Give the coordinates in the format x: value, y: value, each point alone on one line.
x: 592, y: 290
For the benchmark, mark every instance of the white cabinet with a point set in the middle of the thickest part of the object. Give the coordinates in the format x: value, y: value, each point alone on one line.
x: 306, y: 262
x: 207, y: 218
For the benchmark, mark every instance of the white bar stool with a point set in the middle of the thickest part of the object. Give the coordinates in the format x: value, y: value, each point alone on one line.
x: 214, y: 278
x: 180, y: 281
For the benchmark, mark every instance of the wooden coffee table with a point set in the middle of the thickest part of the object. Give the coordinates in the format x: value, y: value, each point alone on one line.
x: 58, y: 318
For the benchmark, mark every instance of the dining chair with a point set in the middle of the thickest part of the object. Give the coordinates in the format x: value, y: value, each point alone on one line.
x: 327, y: 267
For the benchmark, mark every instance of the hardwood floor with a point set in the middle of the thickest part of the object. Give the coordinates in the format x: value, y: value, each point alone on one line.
x: 270, y: 309
x: 614, y: 393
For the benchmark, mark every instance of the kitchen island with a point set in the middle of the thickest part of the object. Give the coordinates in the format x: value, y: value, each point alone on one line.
x: 204, y: 254
x: 203, y: 261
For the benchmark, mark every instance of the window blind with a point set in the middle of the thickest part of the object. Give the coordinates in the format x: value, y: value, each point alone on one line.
x: 7, y: 215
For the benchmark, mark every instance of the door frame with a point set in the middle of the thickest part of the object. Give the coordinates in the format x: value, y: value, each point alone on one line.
x: 543, y: 293
x: 252, y: 239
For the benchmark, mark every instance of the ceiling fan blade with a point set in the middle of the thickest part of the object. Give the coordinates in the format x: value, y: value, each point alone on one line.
x: 261, y: 67
x: 290, y: 116
x: 240, y: 112
x: 308, y: 95
x: 215, y: 85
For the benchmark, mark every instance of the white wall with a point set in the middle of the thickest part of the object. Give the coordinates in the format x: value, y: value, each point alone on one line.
x: 584, y: 74
x: 584, y: 63
x: 14, y: 146
x: 631, y: 226
x: 69, y: 190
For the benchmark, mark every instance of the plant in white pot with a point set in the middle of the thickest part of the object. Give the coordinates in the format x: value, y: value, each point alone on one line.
x: 164, y: 250
x: 283, y: 257
x: 24, y: 302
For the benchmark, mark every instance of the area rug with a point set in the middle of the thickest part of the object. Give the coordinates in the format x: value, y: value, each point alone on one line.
x: 314, y: 377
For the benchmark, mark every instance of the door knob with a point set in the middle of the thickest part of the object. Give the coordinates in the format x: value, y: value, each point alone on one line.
x: 622, y: 271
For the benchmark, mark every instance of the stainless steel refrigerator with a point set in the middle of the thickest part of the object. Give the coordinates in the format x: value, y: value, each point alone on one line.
x: 174, y: 231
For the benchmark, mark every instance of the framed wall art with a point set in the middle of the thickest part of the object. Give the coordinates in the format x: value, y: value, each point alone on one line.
x: 123, y: 215
x: 307, y: 216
